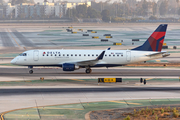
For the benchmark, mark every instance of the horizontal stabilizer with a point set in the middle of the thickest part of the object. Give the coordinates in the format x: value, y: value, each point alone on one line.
x: 164, y: 54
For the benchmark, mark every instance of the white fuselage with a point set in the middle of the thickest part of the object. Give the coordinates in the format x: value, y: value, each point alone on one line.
x: 58, y: 57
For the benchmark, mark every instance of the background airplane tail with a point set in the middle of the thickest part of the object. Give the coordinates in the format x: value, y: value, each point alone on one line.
x: 155, y: 41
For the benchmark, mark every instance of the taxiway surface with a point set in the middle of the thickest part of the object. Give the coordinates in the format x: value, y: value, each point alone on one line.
x: 5, y: 38
x: 29, y: 96
x: 101, y: 72
x: 17, y: 97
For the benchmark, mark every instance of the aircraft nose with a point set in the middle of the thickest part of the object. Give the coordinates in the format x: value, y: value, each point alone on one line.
x: 13, y: 61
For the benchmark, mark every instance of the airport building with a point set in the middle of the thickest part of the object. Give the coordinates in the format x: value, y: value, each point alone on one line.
x: 8, y: 10
x: 24, y: 10
x: 62, y: 7
x: 40, y: 10
x: 1, y: 11
x: 49, y: 9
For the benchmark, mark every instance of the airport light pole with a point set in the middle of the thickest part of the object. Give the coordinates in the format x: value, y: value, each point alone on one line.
x: 124, y: 1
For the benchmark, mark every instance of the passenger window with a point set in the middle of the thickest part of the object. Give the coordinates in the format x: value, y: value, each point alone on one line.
x: 96, y: 54
x: 43, y: 54
x: 71, y: 54
x: 109, y: 55
x: 88, y: 54
x: 114, y: 55
x: 105, y: 55
x: 51, y: 55
x: 67, y: 54
x: 84, y: 54
x: 75, y: 54
x: 79, y: 54
x: 92, y: 55
x: 59, y: 55
x: 55, y: 54
x: 121, y: 55
x: 118, y: 55
x: 63, y: 54
x: 47, y: 54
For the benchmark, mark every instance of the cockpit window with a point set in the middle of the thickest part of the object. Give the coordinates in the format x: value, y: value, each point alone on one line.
x: 23, y: 54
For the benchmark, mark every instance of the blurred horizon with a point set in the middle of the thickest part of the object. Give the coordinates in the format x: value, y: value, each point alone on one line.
x: 36, y: 1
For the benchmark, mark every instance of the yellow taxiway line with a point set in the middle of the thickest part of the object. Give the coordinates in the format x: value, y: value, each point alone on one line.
x: 2, y: 118
x: 76, y: 80
x: 31, y: 115
x: 60, y: 108
x: 125, y: 102
x: 42, y: 107
x: 149, y: 78
x: 158, y: 60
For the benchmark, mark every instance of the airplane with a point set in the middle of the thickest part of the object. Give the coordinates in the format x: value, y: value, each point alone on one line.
x: 71, y: 60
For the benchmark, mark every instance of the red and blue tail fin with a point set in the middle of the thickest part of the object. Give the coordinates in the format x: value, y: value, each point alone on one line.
x: 155, y: 41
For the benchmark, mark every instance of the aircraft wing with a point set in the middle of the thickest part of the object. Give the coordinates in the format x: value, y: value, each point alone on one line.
x: 164, y: 54
x: 89, y: 62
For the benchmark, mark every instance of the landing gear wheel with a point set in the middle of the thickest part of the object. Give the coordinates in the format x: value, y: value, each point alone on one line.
x: 141, y: 80
x: 144, y: 81
x: 30, y: 71
x: 88, y: 71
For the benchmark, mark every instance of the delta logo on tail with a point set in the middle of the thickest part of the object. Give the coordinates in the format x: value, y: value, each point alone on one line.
x: 155, y: 41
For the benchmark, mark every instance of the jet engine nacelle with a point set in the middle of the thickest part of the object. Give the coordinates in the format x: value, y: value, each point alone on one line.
x: 68, y: 67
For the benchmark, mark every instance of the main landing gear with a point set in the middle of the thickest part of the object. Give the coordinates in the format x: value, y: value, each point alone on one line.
x: 143, y: 81
x: 88, y: 70
x: 30, y: 71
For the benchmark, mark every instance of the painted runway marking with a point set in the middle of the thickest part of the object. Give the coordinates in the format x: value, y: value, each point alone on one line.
x: 13, y: 38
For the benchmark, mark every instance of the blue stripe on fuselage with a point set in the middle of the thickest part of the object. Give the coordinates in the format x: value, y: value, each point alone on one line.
x: 97, y: 65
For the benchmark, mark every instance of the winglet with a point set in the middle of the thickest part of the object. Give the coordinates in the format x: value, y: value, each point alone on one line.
x: 100, y: 57
x: 109, y: 48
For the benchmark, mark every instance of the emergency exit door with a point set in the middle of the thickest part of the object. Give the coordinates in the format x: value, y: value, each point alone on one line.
x: 128, y: 56
x: 36, y: 55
